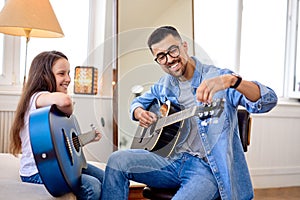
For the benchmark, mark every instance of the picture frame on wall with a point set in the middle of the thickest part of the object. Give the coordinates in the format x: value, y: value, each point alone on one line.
x: 86, y: 80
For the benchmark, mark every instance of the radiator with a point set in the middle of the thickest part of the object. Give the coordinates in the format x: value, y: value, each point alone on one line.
x: 6, y: 120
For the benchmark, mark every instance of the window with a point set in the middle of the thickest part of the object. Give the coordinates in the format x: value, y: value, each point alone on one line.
x: 8, y: 71
x: 293, y: 50
x: 83, y: 24
x: 215, y: 29
x: 1, y: 44
x: 1, y: 53
x: 263, y: 42
x: 245, y: 36
x: 74, y: 22
x: 296, y: 81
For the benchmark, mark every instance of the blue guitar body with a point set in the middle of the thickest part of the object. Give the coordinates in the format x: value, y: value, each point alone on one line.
x: 57, y: 153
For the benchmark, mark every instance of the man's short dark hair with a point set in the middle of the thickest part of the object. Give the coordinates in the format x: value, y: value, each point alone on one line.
x: 160, y: 33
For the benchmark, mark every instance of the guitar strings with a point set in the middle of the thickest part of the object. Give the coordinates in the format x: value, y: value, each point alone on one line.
x: 76, y: 142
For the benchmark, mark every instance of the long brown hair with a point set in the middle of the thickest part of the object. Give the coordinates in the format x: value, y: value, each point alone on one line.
x: 40, y: 78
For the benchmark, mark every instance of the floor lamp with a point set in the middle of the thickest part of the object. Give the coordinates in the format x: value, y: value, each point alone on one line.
x: 29, y: 18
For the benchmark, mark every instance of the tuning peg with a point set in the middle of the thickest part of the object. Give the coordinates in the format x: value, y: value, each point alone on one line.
x: 206, y: 113
x: 204, y: 123
x: 214, y: 103
x: 207, y: 105
x: 93, y: 126
x: 209, y: 121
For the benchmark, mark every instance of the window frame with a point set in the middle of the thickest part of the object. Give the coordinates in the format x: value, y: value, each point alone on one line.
x: 291, y: 49
x: 10, y: 76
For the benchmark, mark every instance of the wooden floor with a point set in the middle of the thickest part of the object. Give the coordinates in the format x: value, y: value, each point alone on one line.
x: 290, y: 193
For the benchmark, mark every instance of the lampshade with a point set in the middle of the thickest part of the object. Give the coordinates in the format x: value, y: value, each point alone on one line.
x: 30, y: 18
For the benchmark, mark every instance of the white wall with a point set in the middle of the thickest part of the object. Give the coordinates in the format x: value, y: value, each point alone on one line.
x: 274, y: 154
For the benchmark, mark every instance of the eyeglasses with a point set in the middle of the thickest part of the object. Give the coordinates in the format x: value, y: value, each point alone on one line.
x: 162, y: 58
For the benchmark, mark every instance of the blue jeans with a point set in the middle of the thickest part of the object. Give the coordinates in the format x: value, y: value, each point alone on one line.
x: 91, y: 182
x: 192, y: 175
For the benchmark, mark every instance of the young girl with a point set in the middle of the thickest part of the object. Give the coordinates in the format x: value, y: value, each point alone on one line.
x: 47, y: 84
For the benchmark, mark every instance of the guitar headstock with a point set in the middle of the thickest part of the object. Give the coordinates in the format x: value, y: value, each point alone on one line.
x: 210, y: 110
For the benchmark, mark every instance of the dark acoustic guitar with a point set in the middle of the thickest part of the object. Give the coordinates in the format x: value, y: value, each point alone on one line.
x: 57, y: 142
x: 162, y: 136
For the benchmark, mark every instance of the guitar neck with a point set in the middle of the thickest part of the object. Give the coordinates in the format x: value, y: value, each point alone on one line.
x: 86, y: 137
x: 176, y: 117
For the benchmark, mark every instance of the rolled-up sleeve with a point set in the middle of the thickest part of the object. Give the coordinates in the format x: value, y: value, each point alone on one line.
x: 142, y: 101
x: 267, y: 101
x: 135, y: 104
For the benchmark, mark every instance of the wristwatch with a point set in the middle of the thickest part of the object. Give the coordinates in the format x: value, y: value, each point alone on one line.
x: 237, y: 83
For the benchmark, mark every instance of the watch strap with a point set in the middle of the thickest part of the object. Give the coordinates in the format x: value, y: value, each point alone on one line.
x: 238, y: 81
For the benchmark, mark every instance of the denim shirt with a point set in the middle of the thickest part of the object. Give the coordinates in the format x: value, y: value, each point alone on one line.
x: 220, y: 140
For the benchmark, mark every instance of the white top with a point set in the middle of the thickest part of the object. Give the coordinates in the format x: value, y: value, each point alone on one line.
x: 27, y: 163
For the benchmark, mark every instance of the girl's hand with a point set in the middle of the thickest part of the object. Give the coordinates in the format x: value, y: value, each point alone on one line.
x: 98, y: 136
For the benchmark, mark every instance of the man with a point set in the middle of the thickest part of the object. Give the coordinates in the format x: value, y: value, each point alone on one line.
x: 208, y: 161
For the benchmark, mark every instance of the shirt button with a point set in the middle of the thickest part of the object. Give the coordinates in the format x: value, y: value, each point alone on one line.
x: 259, y: 106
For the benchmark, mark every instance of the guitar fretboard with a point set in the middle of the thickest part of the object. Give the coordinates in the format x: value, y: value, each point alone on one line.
x: 204, y: 111
x: 85, y: 138
x: 176, y: 117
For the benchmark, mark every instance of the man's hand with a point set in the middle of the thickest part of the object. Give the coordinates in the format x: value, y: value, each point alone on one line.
x: 209, y: 87
x: 146, y: 118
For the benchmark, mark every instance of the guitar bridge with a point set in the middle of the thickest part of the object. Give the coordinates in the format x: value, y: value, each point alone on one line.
x: 68, y: 147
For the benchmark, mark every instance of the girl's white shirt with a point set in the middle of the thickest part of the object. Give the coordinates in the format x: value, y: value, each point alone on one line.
x: 27, y: 163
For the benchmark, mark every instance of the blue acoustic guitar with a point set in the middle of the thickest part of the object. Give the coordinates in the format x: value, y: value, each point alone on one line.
x: 57, y: 142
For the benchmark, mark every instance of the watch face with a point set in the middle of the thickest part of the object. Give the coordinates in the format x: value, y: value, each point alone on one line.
x: 235, y: 74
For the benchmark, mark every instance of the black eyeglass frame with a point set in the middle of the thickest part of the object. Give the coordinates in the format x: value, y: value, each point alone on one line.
x: 169, y: 52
